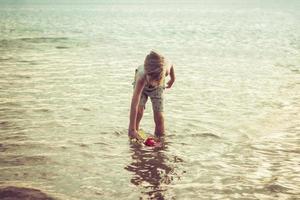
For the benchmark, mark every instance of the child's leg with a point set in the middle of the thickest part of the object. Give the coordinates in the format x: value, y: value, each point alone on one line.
x: 158, y: 108
x: 159, y: 123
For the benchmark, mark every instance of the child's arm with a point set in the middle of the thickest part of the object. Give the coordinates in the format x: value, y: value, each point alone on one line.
x: 172, y: 77
x: 134, y: 106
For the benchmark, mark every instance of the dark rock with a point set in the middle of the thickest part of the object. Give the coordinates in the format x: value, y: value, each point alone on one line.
x: 20, y: 193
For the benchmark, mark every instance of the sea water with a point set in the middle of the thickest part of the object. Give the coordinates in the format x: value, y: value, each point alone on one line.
x: 232, y: 116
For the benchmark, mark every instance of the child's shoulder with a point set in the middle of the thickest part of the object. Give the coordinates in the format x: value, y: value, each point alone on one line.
x: 140, y: 75
x: 140, y: 72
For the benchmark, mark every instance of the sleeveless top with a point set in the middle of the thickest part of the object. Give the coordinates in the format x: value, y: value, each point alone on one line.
x: 140, y: 72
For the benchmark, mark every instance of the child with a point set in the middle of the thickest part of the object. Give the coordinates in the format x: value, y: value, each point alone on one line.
x: 149, y: 82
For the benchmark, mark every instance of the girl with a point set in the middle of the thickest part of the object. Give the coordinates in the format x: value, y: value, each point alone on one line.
x: 149, y: 82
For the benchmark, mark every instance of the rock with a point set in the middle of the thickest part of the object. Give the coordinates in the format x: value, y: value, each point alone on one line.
x: 20, y: 193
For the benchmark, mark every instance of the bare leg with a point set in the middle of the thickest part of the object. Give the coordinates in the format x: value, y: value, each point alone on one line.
x: 159, y: 123
x: 139, y: 116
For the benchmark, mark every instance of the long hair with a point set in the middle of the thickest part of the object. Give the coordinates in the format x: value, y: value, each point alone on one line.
x: 154, y: 67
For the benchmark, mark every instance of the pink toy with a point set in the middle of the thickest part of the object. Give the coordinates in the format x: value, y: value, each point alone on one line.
x: 150, y: 142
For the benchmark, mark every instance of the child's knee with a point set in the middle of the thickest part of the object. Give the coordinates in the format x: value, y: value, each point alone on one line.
x: 158, y: 117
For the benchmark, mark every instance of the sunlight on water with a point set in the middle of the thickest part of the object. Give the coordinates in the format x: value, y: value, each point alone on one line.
x: 232, y: 117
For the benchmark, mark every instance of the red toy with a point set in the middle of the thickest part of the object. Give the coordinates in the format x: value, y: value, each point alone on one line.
x: 150, y: 142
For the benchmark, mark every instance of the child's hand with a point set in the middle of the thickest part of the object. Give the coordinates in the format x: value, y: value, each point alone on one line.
x: 170, y: 83
x: 132, y: 133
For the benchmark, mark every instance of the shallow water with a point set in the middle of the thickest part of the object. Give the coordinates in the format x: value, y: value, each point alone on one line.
x: 232, y: 117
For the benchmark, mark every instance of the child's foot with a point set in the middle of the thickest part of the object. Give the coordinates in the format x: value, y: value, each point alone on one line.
x: 158, y: 134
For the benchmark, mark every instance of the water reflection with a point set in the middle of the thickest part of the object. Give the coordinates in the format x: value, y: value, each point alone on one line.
x: 151, y: 170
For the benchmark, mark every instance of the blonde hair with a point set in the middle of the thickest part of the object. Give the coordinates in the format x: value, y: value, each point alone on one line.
x: 154, y: 67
